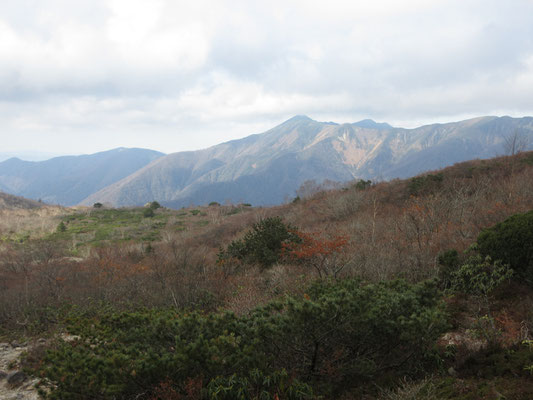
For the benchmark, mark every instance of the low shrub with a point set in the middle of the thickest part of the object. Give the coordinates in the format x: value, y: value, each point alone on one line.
x: 424, y: 184
x: 148, y: 212
x: 480, y: 277
x: 262, y: 245
x: 511, y: 241
x: 336, y: 337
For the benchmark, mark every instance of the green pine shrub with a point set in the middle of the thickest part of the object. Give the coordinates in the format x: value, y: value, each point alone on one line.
x: 448, y: 262
x: 148, y: 212
x: 257, y: 385
x: 426, y: 184
x: 511, y: 241
x: 154, y: 205
x: 361, y: 184
x: 348, y: 333
x: 61, y: 227
x: 261, y: 245
x: 335, y: 337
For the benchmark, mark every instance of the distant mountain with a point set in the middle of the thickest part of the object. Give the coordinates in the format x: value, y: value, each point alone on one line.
x: 28, y: 155
x: 265, y: 169
x: 70, y: 179
x: 370, y: 124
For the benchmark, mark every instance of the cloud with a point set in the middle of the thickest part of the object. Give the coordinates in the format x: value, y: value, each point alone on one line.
x: 90, y: 75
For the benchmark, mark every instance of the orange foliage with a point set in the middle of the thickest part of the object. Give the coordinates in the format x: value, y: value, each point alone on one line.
x: 316, y: 251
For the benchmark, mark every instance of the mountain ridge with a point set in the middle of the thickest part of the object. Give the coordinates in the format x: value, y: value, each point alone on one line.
x: 266, y: 168
x: 67, y: 180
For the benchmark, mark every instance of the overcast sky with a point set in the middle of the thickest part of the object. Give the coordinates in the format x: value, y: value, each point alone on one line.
x: 81, y: 76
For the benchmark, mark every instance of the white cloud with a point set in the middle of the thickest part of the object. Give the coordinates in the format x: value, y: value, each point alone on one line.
x: 89, y: 75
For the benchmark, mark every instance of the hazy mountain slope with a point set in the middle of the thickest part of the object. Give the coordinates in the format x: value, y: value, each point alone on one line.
x: 267, y: 168
x: 68, y: 180
x: 9, y: 202
x: 440, y: 145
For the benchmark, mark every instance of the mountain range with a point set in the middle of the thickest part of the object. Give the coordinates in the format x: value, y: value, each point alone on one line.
x: 262, y: 169
x: 68, y: 180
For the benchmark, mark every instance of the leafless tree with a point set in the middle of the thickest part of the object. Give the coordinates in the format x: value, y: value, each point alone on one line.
x: 516, y: 142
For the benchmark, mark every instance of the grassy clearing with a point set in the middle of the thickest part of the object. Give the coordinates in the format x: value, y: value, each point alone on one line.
x: 96, y: 227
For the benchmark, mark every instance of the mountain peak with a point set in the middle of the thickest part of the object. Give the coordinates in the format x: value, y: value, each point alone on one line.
x: 298, y: 118
x: 371, y: 124
x: 12, y: 160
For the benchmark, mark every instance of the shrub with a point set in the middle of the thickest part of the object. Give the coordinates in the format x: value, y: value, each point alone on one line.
x: 121, y: 355
x: 424, y: 184
x: 480, y: 276
x: 337, y: 336
x: 97, y: 205
x: 362, y: 184
x: 61, y: 227
x: 148, y: 212
x: 417, y: 390
x: 214, y: 203
x: 511, y: 241
x: 258, y: 386
x: 448, y: 262
x: 344, y: 334
x: 318, y: 252
x: 154, y: 205
x: 262, y: 245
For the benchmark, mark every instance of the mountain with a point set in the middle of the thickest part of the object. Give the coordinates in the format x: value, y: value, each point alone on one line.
x: 265, y: 169
x: 28, y: 155
x: 70, y: 179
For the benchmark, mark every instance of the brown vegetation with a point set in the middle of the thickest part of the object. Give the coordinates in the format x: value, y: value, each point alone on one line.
x: 392, y: 229
x: 379, y: 232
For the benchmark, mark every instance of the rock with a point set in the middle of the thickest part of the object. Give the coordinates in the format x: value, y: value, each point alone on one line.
x: 41, y: 341
x: 18, y: 396
x: 452, y: 371
x: 16, y: 378
x: 2, y: 375
x: 15, y: 344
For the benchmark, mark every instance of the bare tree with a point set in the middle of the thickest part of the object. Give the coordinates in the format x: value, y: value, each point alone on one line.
x: 516, y: 142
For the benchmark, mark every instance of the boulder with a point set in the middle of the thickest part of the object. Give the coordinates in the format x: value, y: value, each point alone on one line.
x: 16, y: 378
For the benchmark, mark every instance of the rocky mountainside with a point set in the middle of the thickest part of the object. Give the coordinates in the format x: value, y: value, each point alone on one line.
x: 70, y: 179
x: 267, y: 168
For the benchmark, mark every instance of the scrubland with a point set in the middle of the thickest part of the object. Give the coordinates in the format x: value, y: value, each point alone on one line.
x: 374, y: 291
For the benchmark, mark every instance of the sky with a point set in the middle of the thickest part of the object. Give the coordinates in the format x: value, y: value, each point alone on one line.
x: 170, y: 75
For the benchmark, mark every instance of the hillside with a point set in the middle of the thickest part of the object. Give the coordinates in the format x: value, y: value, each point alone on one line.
x: 69, y: 179
x: 9, y: 202
x: 267, y: 168
x: 372, y: 291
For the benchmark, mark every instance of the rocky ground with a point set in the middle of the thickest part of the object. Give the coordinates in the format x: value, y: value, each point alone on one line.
x: 15, y: 384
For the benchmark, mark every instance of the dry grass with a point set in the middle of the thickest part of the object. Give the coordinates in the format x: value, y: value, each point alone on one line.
x: 420, y: 390
x: 35, y: 223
